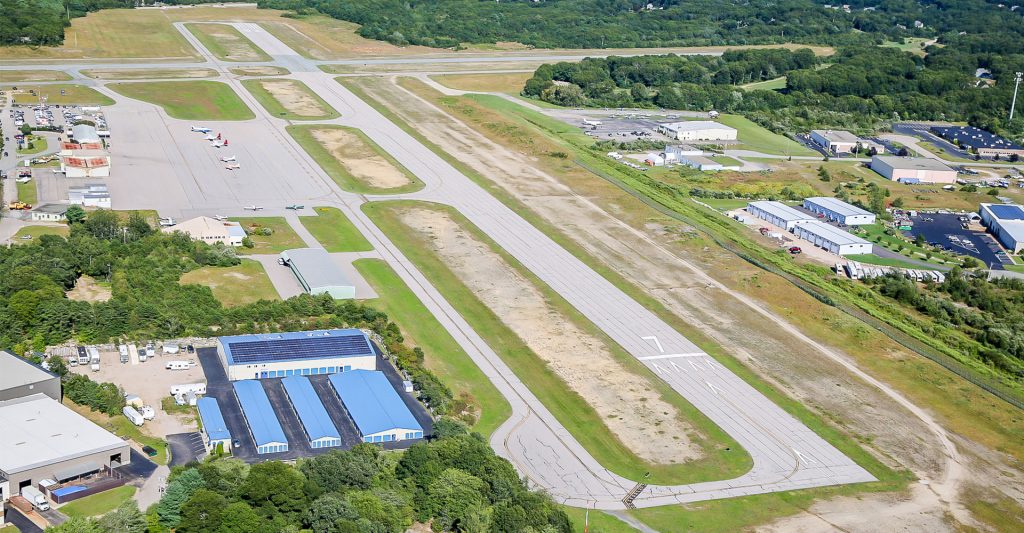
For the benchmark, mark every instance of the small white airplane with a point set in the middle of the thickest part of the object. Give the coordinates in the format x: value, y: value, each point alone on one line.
x: 216, y: 143
x: 587, y: 122
x: 253, y: 208
x: 228, y: 159
x: 209, y: 137
x: 219, y: 217
x: 201, y: 129
x: 232, y: 166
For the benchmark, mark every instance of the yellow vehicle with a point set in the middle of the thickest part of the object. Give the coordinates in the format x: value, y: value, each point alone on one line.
x: 18, y: 206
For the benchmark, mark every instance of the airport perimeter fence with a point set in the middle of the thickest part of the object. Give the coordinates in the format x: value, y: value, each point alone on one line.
x: 987, y: 384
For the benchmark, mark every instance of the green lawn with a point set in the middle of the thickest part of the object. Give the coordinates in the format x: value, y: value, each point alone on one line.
x: 335, y: 231
x: 73, y: 94
x: 723, y: 458
x: 1014, y: 268
x: 876, y: 234
x: 600, y: 522
x: 754, y: 137
x: 227, y: 43
x: 909, y: 44
x: 282, y: 238
x: 334, y: 168
x: 238, y: 285
x: 266, y: 70
x: 122, y: 427
x: 726, y: 160
x: 11, y: 76
x: 27, y: 192
x: 278, y: 109
x: 37, y: 231
x: 189, y: 100
x: 873, y: 259
x: 98, y: 504
x: 39, y: 145
x: 766, y: 85
x: 725, y: 204
x: 444, y: 356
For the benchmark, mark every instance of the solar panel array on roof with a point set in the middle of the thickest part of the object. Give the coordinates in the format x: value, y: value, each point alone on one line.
x: 315, y: 420
x: 1007, y: 212
x: 248, y: 349
x: 372, y: 402
x: 973, y: 137
x: 213, y: 419
x: 263, y: 423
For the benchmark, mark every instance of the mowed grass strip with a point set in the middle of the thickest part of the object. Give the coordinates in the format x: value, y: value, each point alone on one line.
x: 189, y: 100
x: 444, y: 356
x: 506, y: 82
x: 13, y: 76
x: 34, y: 232
x: 293, y: 99
x: 722, y: 457
x: 335, y: 231
x: 72, y: 94
x: 282, y: 237
x: 226, y: 42
x: 98, y: 504
x: 266, y: 70
x: 148, y: 74
x: 122, y: 427
x: 237, y: 285
x: 27, y: 192
x: 361, y: 148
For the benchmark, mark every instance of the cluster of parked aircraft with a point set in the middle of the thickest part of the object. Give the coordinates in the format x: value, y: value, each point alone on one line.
x: 230, y: 162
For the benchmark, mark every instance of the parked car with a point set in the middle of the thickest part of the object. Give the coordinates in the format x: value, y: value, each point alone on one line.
x: 149, y: 450
x: 795, y: 250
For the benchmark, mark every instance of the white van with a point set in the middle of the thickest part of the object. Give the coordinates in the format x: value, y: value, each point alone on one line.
x: 178, y: 365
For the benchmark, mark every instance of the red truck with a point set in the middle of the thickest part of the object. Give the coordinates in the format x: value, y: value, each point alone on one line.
x: 795, y: 250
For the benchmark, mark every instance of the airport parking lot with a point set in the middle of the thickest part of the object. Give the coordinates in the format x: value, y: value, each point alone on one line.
x: 946, y: 230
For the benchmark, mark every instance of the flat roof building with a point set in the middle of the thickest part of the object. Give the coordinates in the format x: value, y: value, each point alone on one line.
x: 19, y: 378
x: 214, y: 428
x: 778, y: 213
x: 698, y: 130
x: 913, y: 169
x: 376, y: 408
x: 43, y: 439
x: 842, y: 142
x: 263, y: 423
x: 296, y: 353
x: 979, y: 141
x: 832, y: 238
x: 210, y: 230
x: 84, y: 160
x: 317, y: 273
x: 316, y: 422
x: 1006, y: 223
x: 91, y: 195
x: 839, y: 211
x: 49, y: 213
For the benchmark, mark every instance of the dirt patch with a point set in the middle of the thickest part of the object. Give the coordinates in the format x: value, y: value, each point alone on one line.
x: 634, y: 413
x: 360, y: 159
x: 260, y: 71
x: 919, y: 512
x: 236, y: 47
x: 294, y: 97
x: 88, y: 289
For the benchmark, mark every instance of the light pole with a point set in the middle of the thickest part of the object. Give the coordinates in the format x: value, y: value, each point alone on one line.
x: 1016, y: 85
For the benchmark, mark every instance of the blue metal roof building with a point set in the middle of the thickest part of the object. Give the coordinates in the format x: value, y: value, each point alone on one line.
x: 213, y: 422
x: 296, y: 353
x: 315, y: 420
x: 375, y: 406
x: 266, y: 429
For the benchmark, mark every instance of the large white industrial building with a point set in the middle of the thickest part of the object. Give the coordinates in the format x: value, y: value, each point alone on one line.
x: 778, y: 213
x: 1006, y: 223
x: 297, y: 353
x: 698, y: 130
x: 832, y: 238
x: 19, y: 378
x: 842, y: 142
x: 839, y: 211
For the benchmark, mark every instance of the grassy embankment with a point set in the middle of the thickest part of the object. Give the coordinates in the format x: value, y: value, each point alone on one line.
x: 72, y: 94
x: 237, y: 285
x: 287, y: 110
x: 444, y: 356
x: 227, y: 43
x: 189, y: 100
x: 122, y: 427
x: 722, y: 457
x: 19, y: 76
x: 282, y: 237
x: 98, y: 504
x: 333, y: 164
x: 335, y: 231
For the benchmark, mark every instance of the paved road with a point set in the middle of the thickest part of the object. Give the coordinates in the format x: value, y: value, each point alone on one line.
x: 174, y: 171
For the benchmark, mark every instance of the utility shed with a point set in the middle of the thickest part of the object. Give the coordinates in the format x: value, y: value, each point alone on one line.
x: 318, y: 274
x: 214, y: 428
x: 778, y: 213
x: 19, y: 378
x: 376, y: 408
x: 263, y: 423
x: 832, y: 238
x: 295, y: 353
x: 43, y: 439
x: 315, y: 420
x: 839, y: 211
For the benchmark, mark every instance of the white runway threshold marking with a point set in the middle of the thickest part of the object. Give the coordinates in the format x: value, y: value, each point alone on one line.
x: 672, y: 356
x: 656, y: 342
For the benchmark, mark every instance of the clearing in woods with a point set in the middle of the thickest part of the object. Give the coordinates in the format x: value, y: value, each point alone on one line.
x: 226, y: 42
x: 87, y: 289
x: 289, y: 99
x: 241, y: 284
x: 354, y: 161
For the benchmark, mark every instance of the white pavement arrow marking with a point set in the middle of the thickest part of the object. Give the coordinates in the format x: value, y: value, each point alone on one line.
x: 802, y: 458
x: 656, y: 342
x: 694, y: 365
x: 713, y: 388
x: 708, y: 362
x: 659, y: 369
x: 675, y: 366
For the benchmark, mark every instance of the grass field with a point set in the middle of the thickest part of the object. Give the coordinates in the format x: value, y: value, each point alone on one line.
x: 18, y: 76
x: 98, y: 504
x: 909, y: 44
x: 282, y: 238
x: 37, y: 231
x: 444, y: 356
x: 876, y: 234
x: 335, y: 231
x: 227, y: 43
x: 757, y: 138
x: 238, y: 285
x: 267, y: 70
x: 334, y: 168
x: 766, y: 85
x: 38, y: 145
x: 73, y: 94
x: 146, y: 73
x: 189, y: 100
x: 122, y: 427
x: 510, y: 83
x: 722, y: 457
x: 312, y: 107
x: 27, y: 192
x: 726, y: 160
x: 600, y: 522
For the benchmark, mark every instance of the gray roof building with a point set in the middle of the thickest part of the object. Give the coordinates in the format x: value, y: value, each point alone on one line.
x: 19, y: 378
x: 317, y: 273
x: 84, y: 133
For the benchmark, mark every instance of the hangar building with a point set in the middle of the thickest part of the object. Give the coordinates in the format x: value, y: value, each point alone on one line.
x: 296, y: 353
x: 698, y: 130
x: 1006, y: 223
x: 19, y: 378
x: 839, y: 211
x: 372, y: 403
x: 316, y: 423
x: 832, y: 238
x: 43, y: 439
x: 214, y: 428
x: 912, y: 169
x: 259, y: 415
x: 318, y: 273
x: 778, y: 213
